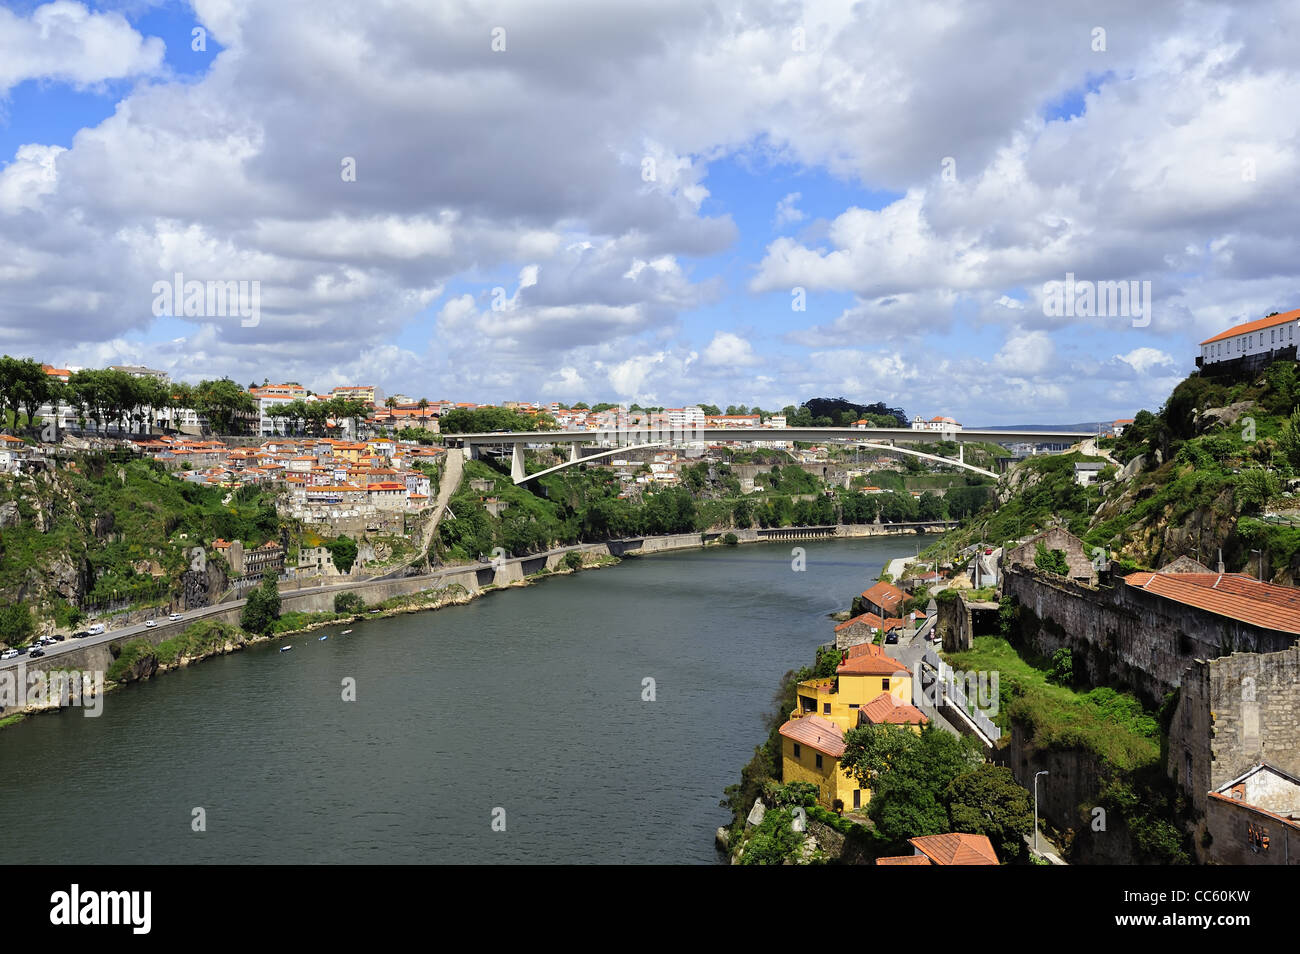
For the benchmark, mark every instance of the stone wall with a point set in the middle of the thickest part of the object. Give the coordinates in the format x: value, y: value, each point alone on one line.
x: 1124, y: 635
x: 1067, y: 796
x: 1230, y: 827
x: 1076, y: 555
x: 1233, y: 713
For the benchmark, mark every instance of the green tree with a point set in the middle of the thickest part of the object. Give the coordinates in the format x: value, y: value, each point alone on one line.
x: 16, y: 625
x: 1052, y: 561
x: 262, y: 608
x: 989, y: 801
x: 348, y: 603
x: 1254, y: 488
x: 344, y: 553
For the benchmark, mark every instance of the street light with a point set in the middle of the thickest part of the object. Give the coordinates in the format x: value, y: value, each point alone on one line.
x: 1036, y: 774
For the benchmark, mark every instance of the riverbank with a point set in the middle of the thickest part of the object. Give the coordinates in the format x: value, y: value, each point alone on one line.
x: 467, y: 582
x: 144, y: 663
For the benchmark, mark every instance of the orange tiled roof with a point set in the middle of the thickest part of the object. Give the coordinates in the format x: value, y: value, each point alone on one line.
x: 869, y: 664
x: 956, y: 849
x: 886, y: 709
x: 1232, y: 595
x: 822, y: 734
x: 903, y: 860
x: 871, y: 619
x: 885, y: 595
x: 1259, y: 324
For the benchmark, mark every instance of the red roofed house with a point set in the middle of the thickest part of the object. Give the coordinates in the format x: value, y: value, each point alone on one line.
x: 862, y: 628
x: 860, y: 678
x: 947, y: 849
x: 810, y: 752
x: 1252, y: 343
x: 883, y: 599
x: 886, y: 709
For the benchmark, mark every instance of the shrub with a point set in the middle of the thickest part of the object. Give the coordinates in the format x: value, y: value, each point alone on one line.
x: 349, y: 603
x: 730, y: 539
x: 573, y: 560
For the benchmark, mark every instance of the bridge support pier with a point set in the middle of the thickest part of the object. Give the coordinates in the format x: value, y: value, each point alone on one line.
x: 471, y: 451
x: 961, y: 453
x: 574, y: 454
x: 517, y: 472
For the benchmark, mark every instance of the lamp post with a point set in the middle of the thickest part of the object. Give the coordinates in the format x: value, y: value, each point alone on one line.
x: 1036, y: 774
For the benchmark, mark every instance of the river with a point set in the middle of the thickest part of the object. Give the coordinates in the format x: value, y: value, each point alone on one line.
x: 520, y: 710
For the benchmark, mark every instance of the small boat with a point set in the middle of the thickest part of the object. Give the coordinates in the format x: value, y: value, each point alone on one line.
x: 345, y: 632
x: 285, y: 649
x: 322, y: 639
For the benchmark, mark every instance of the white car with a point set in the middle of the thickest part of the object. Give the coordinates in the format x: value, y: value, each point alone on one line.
x: 9, y: 654
x: 150, y: 624
x: 174, y: 617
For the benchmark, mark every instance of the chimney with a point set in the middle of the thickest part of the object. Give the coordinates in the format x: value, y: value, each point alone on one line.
x: 1220, y: 559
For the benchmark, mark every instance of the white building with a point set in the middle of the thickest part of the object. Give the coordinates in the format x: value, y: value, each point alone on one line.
x: 935, y: 424
x: 1254, y: 337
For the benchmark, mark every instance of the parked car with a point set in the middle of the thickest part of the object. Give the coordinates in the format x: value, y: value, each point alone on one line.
x: 9, y: 654
x: 149, y: 623
x: 36, y: 654
x: 174, y: 617
x: 80, y: 634
x: 96, y: 629
x: 56, y: 637
x: 891, y: 637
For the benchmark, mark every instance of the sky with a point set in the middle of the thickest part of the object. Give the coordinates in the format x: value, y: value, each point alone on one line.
x: 653, y: 201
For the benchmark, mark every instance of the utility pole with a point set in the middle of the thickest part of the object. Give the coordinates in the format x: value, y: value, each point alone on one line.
x: 1036, y: 774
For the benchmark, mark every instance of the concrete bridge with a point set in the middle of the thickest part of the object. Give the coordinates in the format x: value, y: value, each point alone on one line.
x: 634, y: 438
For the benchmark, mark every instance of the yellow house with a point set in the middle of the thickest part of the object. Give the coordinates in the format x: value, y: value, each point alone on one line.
x: 864, y: 674
x: 810, y: 752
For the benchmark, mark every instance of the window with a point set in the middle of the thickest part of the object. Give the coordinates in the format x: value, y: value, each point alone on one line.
x: 884, y: 684
x: 857, y: 798
x: 826, y: 708
x: 819, y: 760
x: 796, y: 750
x: 853, y: 705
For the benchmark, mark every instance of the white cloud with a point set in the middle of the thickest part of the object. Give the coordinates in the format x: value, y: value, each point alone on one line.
x: 65, y: 41
x: 730, y: 350
x: 1142, y: 360
x: 787, y: 212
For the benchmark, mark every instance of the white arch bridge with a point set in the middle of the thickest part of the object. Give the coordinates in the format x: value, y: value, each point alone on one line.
x: 632, y: 439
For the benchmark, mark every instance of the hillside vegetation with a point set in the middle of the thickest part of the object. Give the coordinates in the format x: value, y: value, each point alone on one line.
x: 1208, y: 471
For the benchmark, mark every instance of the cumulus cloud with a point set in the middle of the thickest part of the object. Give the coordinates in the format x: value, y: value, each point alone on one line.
x: 730, y: 350
x: 573, y: 172
x: 1142, y: 360
x: 65, y: 41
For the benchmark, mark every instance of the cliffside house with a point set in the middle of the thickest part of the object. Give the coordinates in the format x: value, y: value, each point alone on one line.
x: 811, y: 748
x: 1252, y: 344
x: 860, y: 679
x: 863, y: 628
x: 1254, y: 819
x: 883, y: 599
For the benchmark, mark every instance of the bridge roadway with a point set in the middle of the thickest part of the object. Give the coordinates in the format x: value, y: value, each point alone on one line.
x: 635, y: 438
x: 685, y: 435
